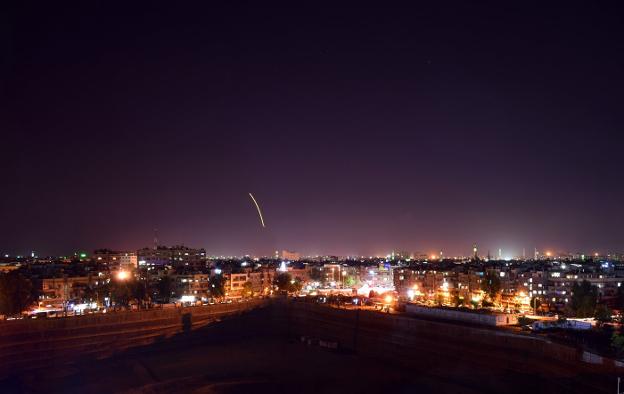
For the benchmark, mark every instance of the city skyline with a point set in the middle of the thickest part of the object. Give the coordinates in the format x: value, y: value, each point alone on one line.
x: 307, y: 198
x: 417, y: 254
x: 358, y: 130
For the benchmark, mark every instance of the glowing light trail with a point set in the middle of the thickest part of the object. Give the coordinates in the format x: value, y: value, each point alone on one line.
x: 258, y: 208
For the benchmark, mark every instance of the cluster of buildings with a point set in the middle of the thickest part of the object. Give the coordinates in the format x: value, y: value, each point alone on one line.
x: 524, y: 285
x: 73, y: 282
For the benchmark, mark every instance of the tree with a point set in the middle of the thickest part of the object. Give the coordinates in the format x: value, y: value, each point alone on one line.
x: 296, y: 285
x: 217, y: 286
x: 603, y: 313
x: 350, y: 281
x: 121, y: 292
x: 247, y: 289
x: 316, y: 275
x: 619, y: 298
x: 89, y: 293
x: 282, y: 281
x: 491, y: 285
x: 617, y: 342
x: 285, y: 283
x: 102, y: 292
x: 138, y: 291
x: 458, y: 301
x: 165, y: 287
x: 584, y: 298
x: 16, y: 293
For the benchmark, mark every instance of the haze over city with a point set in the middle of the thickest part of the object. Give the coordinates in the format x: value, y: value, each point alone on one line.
x: 248, y: 197
x: 359, y: 130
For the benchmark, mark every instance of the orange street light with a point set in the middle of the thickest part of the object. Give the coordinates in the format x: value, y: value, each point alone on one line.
x: 123, y: 275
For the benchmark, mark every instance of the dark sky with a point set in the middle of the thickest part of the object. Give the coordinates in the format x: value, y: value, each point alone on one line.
x: 358, y: 130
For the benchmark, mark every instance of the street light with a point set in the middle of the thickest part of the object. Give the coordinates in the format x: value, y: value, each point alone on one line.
x: 123, y: 275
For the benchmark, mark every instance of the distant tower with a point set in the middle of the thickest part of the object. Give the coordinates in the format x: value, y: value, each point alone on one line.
x: 489, y: 256
x: 475, y: 255
x: 523, y: 254
x: 155, y: 238
x: 535, y: 254
x: 500, y: 253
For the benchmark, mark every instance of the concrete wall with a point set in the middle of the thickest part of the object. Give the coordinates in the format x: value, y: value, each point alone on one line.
x: 397, y: 338
x: 404, y: 337
x: 491, y: 319
x: 27, y: 344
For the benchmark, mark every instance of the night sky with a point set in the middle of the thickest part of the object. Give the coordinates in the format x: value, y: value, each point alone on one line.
x: 359, y: 130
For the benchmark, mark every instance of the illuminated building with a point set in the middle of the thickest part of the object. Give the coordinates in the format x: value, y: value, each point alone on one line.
x: 116, y: 260
x: 178, y: 256
x: 55, y: 293
x: 197, y: 285
x: 234, y: 284
x: 559, y: 287
x: 262, y: 280
x: 290, y: 255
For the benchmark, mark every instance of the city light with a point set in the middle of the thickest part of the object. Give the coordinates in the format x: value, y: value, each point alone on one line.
x: 471, y: 150
x: 123, y: 275
x: 187, y: 298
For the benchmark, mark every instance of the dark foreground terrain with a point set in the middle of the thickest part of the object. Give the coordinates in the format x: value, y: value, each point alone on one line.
x: 261, y: 351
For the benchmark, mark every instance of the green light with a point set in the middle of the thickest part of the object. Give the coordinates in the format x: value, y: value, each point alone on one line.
x: 83, y: 255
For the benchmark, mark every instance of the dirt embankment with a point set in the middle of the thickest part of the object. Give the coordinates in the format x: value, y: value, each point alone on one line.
x: 31, y: 344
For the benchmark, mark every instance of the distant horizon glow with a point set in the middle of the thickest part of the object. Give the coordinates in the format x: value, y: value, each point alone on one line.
x: 382, y: 256
x: 387, y: 128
